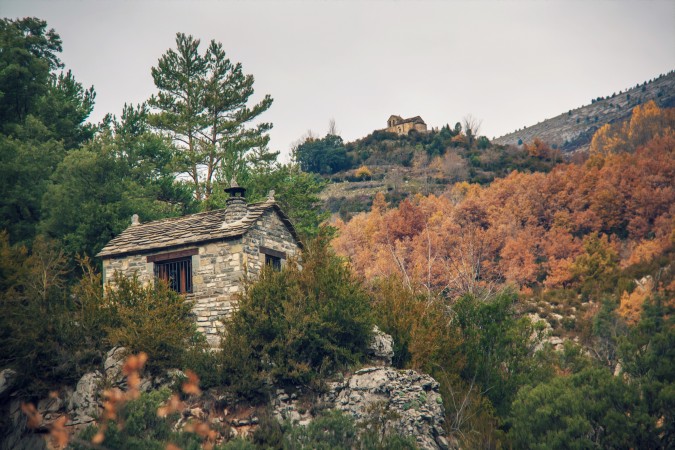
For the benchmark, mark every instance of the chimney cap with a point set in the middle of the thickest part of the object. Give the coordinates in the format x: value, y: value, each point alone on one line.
x: 134, y: 220
x: 235, y: 190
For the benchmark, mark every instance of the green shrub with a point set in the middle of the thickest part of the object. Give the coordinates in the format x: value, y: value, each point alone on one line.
x: 335, y: 430
x: 205, y: 362
x: 38, y: 337
x: 153, y: 319
x: 590, y: 409
x: 298, y: 323
x: 142, y: 429
x: 270, y: 433
x: 498, y: 347
x: 419, y: 326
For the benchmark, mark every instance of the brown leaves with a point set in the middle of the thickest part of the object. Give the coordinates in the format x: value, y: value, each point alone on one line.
x: 33, y: 417
x: 199, y: 427
x: 174, y: 404
x: 57, y: 429
x: 59, y: 432
x: 527, y: 229
x: 115, y: 399
x: 191, y: 386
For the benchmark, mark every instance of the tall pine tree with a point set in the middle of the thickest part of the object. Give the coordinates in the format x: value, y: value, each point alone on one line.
x: 202, y: 104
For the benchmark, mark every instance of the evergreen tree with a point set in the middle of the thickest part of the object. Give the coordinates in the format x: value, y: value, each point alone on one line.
x: 125, y: 170
x: 327, y: 155
x: 42, y: 116
x: 202, y: 104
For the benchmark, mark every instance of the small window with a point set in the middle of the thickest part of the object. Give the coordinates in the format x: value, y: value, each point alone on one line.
x: 273, y: 261
x: 177, y: 273
x: 272, y: 257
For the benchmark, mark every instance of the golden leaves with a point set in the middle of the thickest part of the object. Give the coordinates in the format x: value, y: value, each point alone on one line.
x: 527, y: 228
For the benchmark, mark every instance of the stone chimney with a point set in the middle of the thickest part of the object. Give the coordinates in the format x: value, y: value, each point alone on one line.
x: 236, y: 203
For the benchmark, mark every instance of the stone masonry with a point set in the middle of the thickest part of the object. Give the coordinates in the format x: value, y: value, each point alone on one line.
x: 224, y: 249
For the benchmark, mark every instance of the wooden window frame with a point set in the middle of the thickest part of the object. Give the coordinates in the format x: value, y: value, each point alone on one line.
x: 272, y: 252
x: 173, y: 255
x: 172, y: 261
x: 273, y: 257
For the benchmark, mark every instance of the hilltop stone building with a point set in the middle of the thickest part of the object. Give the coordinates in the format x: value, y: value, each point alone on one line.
x: 400, y: 126
x: 205, y: 256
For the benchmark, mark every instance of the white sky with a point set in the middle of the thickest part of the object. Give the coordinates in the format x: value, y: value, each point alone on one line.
x: 509, y: 63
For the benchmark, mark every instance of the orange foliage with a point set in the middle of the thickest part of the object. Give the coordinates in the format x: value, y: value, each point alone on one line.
x: 527, y: 229
x: 647, y: 122
x: 540, y: 149
x: 363, y: 172
x: 631, y: 304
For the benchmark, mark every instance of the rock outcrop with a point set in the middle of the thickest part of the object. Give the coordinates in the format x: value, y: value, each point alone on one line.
x: 573, y: 131
x: 83, y: 405
x: 402, y: 401
x: 379, y: 397
x: 7, y: 381
x: 385, y: 399
x: 381, y: 347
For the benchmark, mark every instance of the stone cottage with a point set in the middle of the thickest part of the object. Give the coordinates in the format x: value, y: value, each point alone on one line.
x: 400, y: 126
x: 205, y: 256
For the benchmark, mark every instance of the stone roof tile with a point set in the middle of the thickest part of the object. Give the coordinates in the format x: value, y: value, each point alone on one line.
x: 190, y: 229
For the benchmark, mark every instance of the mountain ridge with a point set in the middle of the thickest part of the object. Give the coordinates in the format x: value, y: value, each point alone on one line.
x: 572, y: 131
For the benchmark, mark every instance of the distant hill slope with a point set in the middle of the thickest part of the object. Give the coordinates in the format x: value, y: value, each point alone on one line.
x: 572, y: 131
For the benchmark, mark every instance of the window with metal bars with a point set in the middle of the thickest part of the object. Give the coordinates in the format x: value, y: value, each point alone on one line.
x: 177, y: 273
x: 273, y: 261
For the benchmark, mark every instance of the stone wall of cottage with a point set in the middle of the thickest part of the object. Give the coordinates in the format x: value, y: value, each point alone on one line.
x: 269, y: 231
x: 217, y: 271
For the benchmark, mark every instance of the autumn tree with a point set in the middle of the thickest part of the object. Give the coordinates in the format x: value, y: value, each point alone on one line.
x: 647, y: 122
x: 527, y: 229
x: 203, y: 105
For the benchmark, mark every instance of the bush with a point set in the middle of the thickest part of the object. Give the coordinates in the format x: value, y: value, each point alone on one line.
x: 498, y: 347
x: 336, y: 430
x: 143, y: 429
x: 205, y: 363
x: 591, y: 409
x: 297, y: 324
x: 363, y: 172
x: 419, y: 326
x: 38, y: 336
x: 153, y: 319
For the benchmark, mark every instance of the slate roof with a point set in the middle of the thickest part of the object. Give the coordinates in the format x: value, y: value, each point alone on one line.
x: 191, y: 229
x: 416, y: 119
x: 399, y: 120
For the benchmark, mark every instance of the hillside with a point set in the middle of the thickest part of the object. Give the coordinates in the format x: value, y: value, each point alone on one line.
x: 420, y: 163
x: 572, y: 131
x: 589, y: 249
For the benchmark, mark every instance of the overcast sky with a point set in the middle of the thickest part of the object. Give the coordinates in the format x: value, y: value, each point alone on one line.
x: 509, y: 63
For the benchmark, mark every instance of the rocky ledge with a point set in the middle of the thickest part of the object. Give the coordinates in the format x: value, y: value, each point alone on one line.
x: 383, y: 398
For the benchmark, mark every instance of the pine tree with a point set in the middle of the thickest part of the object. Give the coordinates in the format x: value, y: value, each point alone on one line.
x: 202, y: 105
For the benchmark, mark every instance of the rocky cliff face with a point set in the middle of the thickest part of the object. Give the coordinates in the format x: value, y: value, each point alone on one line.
x: 572, y: 131
x: 402, y: 401
x: 379, y: 397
